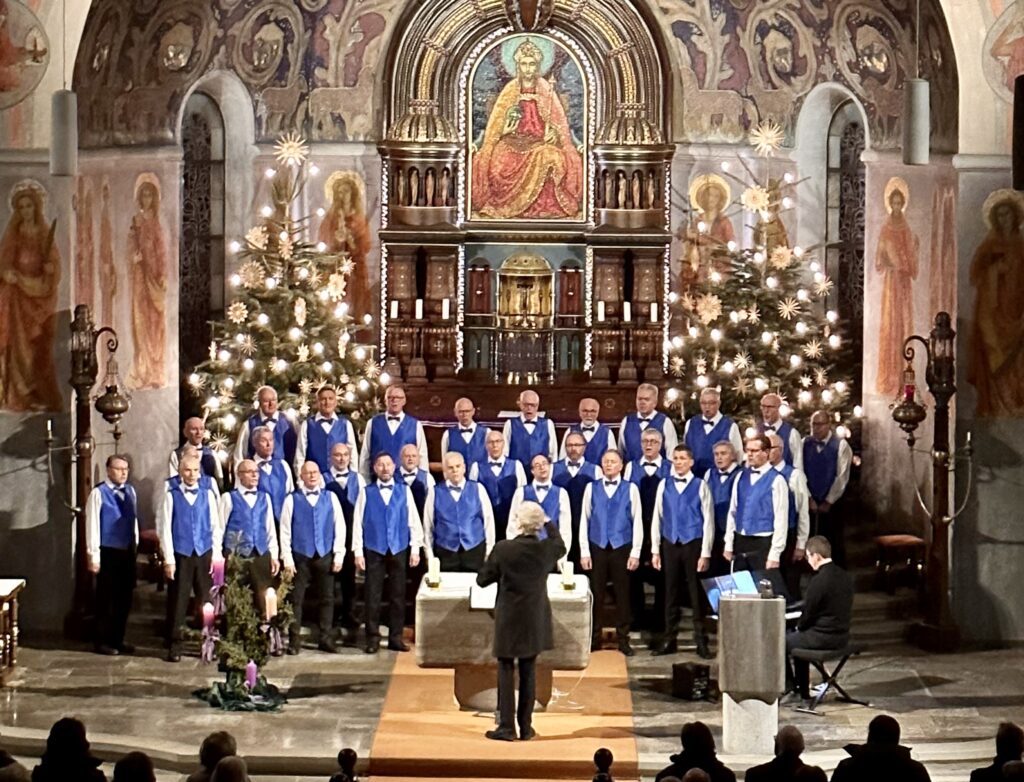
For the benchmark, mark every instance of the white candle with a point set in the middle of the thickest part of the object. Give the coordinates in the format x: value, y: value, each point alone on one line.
x: 434, y: 571
x: 49, y: 429
x: 627, y: 311
x: 568, y: 579
x: 600, y: 312
x: 394, y: 310
x: 654, y: 312
x: 270, y: 601
x: 446, y: 309
x: 419, y: 309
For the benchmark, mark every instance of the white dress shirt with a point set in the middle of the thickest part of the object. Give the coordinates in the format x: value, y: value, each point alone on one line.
x: 365, y: 457
x: 780, y: 510
x: 227, y: 505
x: 92, y: 522
x: 707, y: 509
x: 517, y: 466
x: 165, y: 517
x: 303, y: 439
x: 656, y: 461
x: 415, y: 525
x: 428, y: 516
x: 588, y: 436
x: 801, y: 497
x: 466, y: 436
x: 669, y: 438
x: 733, y: 437
x: 845, y: 461
x: 638, y: 524
x: 287, y: 511
x: 552, y: 451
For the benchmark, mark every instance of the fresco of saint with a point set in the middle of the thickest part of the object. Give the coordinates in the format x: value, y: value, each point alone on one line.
x: 528, y: 164
x: 897, y: 262
x: 709, y: 198
x: 996, y: 363
x: 345, y: 229
x: 147, y: 256
x: 29, y: 276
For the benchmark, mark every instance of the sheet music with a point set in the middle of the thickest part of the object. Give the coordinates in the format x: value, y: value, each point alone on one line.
x: 482, y: 598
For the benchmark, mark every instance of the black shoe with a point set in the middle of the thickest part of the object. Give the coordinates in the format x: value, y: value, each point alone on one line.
x: 669, y: 647
x: 126, y: 649
x: 348, y: 636
x: 328, y: 646
x: 372, y: 646
x: 526, y: 735
x: 110, y: 651
x: 625, y: 648
x: 703, y: 652
x: 398, y: 646
x: 173, y: 656
x: 501, y: 735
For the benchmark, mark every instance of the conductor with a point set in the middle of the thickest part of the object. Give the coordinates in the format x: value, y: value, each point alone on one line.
x: 522, y: 615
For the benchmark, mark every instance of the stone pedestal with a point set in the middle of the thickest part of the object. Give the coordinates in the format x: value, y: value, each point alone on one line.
x: 749, y: 726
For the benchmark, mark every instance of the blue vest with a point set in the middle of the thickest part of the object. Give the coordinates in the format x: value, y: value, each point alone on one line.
x: 755, y: 513
x: 682, y: 518
x: 458, y: 524
x: 721, y: 493
x: 275, y: 484
x: 386, y: 527
x: 285, y: 439
x: 787, y: 473
x: 382, y: 441
x: 648, y: 485
x: 319, y: 443
x: 246, y: 531
x: 500, y: 487
x: 473, y: 451
x: 207, y: 461
x: 550, y: 505
x: 611, y: 518
x: 312, y: 525
x: 574, y: 485
x: 418, y: 488
x: 632, y: 432
x: 783, y: 430
x: 598, y: 443
x: 523, y: 446
x: 347, y: 494
x: 703, y: 444
x: 117, y: 517
x: 821, y: 468
x: 190, y: 524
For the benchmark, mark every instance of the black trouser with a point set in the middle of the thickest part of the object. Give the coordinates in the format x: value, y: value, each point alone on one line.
x: 256, y: 570
x: 115, y: 585
x: 719, y: 567
x: 750, y: 552
x: 573, y: 555
x: 507, y: 711
x: 377, y: 566
x: 465, y: 560
x: 345, y: 586
x: 609, y: 564
x: 830, y: 524
x: 316, y: 570
x: 792, y: 571
x: 798, y: 671
x: 191, y: 574
x: 679, y: 564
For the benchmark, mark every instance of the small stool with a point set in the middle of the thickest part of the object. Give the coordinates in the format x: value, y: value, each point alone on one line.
x: 818, y: 658
x: 898, y: 551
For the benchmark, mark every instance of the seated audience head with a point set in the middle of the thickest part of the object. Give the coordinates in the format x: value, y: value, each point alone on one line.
x: 696, y: 775
x: 611, y: 464
x: 529, y: 404
x: 540, y: 467
x: 410, y: 457
x: 188, y: 469
x: 394, y: 400
x: 725, y: 455
x: 682, y: 459
x: 495, y: 444
x: 230, y: 769
x: 263, y: 442
x: 883, y: 729
x: 757, y: 448
x: 789, y: 741
x: 217, y: 745
x: 646, y: 398
x: 327, y: 401
x: 248, y: 474
x: 575, y: 446
x: 266, y: 398
x: 347, y: 760
x: 310, y: 475
x: 341, y: 456
x: 1013, y: 769
x: 194, y: 431
x: 710, y: 402
x: 1009, y: 741
x: 464, y: 411
x: 530, y: 518
x: 67, y: 745
x: 454, y: 468
x: 819, y: 551
x: 134, y: 767
x: 590, y: 409
x: 696, y: 739
x: 650, y: 443
x: 384, y: 467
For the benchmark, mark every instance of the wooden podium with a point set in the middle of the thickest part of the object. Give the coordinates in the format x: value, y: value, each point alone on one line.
x: 451, y: 634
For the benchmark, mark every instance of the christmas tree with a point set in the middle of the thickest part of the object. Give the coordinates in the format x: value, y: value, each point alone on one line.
x: 287, y: 322
x: 753, y: 320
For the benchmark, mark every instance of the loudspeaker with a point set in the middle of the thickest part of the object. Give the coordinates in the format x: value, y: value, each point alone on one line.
x: 691, y: 681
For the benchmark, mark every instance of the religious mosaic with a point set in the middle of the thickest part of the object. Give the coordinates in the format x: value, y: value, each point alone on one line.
x: 24, y: 52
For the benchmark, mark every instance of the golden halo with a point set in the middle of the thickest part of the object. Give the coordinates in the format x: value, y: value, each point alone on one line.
x: 897, y: 184
x: 353, y: 178
x: 997, y: 197
x: 27, y: 186
x: 150, y: 178
x: 703, y: 181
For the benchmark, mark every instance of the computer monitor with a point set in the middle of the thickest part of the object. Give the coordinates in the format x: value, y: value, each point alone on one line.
x: 741, y: 582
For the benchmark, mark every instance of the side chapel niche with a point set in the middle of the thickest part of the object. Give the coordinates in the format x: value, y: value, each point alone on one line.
x: 524, y: 221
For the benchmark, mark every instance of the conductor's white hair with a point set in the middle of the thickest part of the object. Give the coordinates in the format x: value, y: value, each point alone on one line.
x: 530, y: 518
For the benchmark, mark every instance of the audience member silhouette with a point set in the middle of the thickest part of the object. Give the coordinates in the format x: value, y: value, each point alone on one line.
x: 1009, y: 747
x: 67, y: 756
x: 698, y: 752
x: 810, y: 774
x: 882, y: 758
x: 11, y: 770
x: 216, y: 746
x: 789, y: 745
x: 696, y: 775
x: 134, y: 767
x: 1013, y: 769
x: 230, y: 769
x: 347, y: 763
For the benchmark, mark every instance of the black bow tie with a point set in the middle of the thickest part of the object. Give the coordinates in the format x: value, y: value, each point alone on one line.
x: 588, y: 428
x: 251, y: 492
x: 315, y: 493
x: 269, y: 421
x: 191, y: 491
x: 677, y: 479
x: 529, y: 423
x: 454, y: 488
x: 769, y: 427
x: 383, y: 486
x: 574, y: 464
x: 342, y: 476
x: 541, y: 487
x: 709, y: 422
x: 611, y: 483
x: 328, y: 421
x: 465, y: 430
x: 119, y: 487
x: 497, y: 464
x: 407, y: 476
x: 394, y: 418
x: 644, y: 420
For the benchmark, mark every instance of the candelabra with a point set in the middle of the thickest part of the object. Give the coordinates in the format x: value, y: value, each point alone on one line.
x: 112, y: 404
x: 938, y: 632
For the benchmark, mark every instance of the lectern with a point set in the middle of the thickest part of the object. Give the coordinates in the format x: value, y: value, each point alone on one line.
x: 752, y: 645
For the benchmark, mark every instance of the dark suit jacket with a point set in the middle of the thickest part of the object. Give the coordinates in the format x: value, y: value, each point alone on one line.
x: 828, y: 602
x: 522, y: 612
x: 781, y: 768
x: 993, y: 773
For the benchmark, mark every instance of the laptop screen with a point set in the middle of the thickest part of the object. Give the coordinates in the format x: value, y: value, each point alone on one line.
x: 741, y: 583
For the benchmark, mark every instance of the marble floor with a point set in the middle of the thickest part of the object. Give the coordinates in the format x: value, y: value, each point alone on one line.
x: 948, y: 705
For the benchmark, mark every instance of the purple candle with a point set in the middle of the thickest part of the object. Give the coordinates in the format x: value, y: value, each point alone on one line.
x: 217, y: 571
x: 250, y: 674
